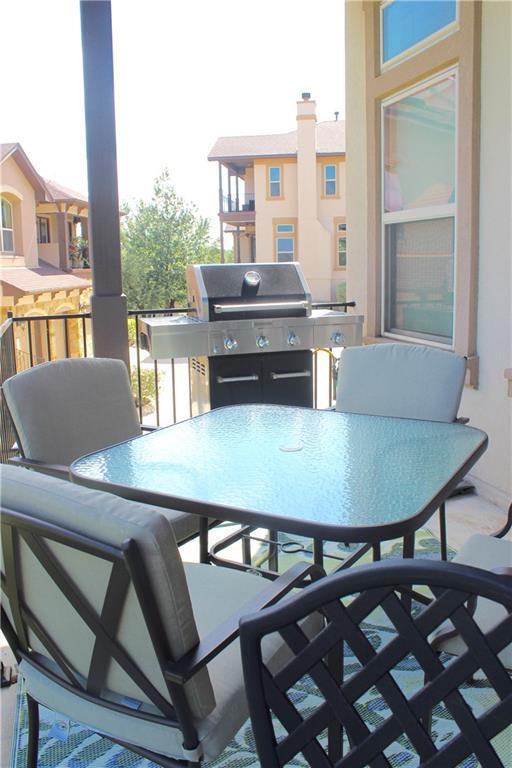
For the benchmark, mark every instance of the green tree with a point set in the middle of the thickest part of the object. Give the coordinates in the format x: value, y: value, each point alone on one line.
x: 159, y: 239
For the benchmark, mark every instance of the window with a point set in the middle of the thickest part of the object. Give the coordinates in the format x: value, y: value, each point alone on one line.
x: 341, y: 251
x: 6, y: 229
x: 330, y: 180
x: 419, y: 205
x: 423, y: 164
x: 43, y: 229
x: 285, y: 242
x: 274, y: 181
x: 409, y: 26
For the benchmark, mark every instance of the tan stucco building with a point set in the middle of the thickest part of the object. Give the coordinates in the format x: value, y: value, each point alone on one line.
x: 429, y: 168
x: 282, y: 196
x: 43, y: 236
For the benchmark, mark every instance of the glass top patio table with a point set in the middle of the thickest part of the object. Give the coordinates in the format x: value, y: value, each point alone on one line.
x: 330, y: 475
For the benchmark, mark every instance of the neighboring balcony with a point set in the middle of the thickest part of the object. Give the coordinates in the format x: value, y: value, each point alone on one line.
x: 238, y: 210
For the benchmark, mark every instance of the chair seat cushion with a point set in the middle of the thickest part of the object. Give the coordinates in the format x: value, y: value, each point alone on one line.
x: 487, y: 552
x: 216, y: 593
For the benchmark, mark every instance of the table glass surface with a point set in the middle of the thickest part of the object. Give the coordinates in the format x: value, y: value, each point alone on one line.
x: 300, y: 463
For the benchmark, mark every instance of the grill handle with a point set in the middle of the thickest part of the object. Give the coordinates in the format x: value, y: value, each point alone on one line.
x: 233, y: 379
x: 294, y: 375
x: 226, y: 309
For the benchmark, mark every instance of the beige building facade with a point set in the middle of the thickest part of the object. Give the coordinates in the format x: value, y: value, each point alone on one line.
x: 43, y: 258
x: 429, y: 168
x: 282, y: 196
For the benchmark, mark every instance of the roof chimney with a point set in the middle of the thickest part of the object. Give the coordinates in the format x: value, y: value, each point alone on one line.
x: 306, y: 96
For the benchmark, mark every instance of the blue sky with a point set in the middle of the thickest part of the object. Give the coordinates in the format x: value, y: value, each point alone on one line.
x: 185, y: 73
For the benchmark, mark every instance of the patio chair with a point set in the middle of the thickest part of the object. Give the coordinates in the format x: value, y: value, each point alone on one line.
x: 112, y: 630
x: 491, y: 553
x: 405, y: 381
x: 67, y: 408
x: 376, y: 703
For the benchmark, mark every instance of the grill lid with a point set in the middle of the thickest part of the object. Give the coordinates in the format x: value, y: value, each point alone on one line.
x: 245, y: 291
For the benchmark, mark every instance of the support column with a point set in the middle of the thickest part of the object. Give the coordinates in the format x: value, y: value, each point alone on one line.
x: 221, y: 208
x: 108, y: 303
x: 63, y: 237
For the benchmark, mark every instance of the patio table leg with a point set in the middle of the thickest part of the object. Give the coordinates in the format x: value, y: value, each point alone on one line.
x: 318, y: 552
x: 408, y: 553
x: 204, y: 556
x: 442, y: 531
x: 246, y: 550
x: 273, y: 563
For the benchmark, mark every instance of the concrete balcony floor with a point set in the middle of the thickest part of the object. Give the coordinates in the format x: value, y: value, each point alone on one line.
x: 465, y: 515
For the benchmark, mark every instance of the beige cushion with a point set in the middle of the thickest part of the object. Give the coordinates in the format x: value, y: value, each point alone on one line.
x: 67, y: 408
x: 112, y: 520
x: 402, y: 380
x: 216, y: 594
x: 487, y: 552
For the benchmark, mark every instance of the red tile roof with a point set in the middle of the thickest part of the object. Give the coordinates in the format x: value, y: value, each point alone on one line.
x: 330, y: 140
x: 64, y: 194
x: 40, y: 279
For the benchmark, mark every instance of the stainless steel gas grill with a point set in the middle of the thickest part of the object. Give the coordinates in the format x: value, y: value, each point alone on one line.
x: 249, y: 335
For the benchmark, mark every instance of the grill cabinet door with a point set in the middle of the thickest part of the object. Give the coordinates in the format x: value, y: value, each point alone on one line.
x: 235, y: 379
x: 287, y: 378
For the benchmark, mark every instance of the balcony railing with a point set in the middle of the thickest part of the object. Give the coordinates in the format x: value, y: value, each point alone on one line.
x: 233, y: 204
x: 161, y: 389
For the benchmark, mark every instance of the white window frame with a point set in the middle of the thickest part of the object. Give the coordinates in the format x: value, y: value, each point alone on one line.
x: 7, y: 229
x: 335, y: 193
x: 418, y: 47
x: 419, y: 214
x: 270, y: 182
x: 289, y: 234
x: 341, y: 234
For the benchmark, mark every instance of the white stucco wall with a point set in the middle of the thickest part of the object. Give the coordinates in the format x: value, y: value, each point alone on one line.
x: 488, y: 407
x: 20, y: 193
x: 355, y: 165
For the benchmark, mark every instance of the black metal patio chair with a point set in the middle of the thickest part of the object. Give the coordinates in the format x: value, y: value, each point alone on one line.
x: 112, y: 630
x: 352, y: 602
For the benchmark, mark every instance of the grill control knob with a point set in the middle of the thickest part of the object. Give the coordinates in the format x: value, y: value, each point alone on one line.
x: 230, y: 344
x: 262, y: 341
x: 337, y: 338
x: 293, y: 339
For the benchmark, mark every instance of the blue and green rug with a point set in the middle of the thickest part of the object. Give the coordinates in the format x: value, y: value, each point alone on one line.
x: 65, y: 744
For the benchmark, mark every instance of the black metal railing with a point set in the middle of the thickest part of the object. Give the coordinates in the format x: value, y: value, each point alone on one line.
x: 7, y: 369
x: 161, y: 389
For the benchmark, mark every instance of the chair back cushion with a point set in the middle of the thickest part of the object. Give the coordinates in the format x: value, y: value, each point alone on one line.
x: 113, y: 521
x: 402, y: 380
x: 67, y: 408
